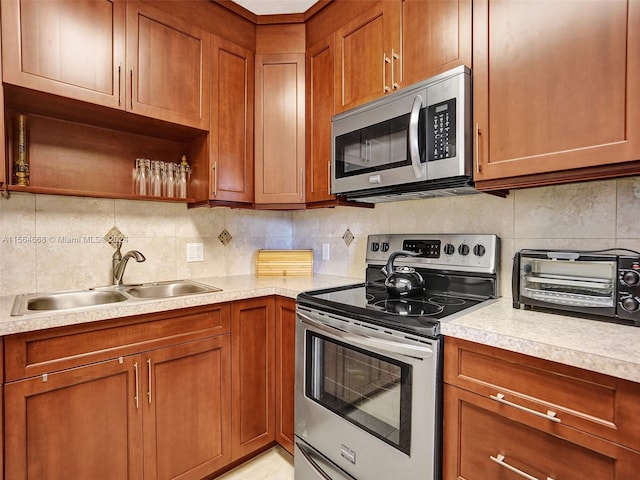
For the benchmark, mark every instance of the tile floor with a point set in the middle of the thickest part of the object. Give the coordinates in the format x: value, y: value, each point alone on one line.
x: 274, y: 464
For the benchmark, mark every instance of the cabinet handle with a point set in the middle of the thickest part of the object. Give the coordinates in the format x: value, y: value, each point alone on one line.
x: 385, y: 60
x: 149, y: 373
x: 301, y: 183
x: 329, y: 177
x: 499, y: 459
x: 394, y: 57
x: 136, y: 398
x: 477, y: 145
x: 215, y: 178
x: 119, y: 85
x: 131, y: 81
x: 550, y: 415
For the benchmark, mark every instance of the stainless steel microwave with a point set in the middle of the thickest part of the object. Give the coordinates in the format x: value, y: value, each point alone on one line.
x: 409, y: 144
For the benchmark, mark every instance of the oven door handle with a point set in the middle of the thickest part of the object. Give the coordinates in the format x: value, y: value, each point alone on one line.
x: 365, y: 341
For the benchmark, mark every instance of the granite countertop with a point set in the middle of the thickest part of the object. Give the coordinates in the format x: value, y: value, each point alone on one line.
x: 236, y: 287
x: 599, y: 346
x: 602, y: 347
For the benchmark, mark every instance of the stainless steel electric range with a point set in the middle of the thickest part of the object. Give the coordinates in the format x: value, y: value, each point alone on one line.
x: 369, y: 357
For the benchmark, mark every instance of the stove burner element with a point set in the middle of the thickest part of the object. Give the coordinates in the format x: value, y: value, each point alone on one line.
x: 440, y: 300
x: 409, y: 307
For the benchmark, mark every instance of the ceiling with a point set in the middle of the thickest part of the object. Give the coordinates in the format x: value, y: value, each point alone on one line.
x: 274, y: 7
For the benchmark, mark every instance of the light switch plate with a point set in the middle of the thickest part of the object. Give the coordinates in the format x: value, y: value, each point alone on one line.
x: 195, y: 252
x: 325, y: 251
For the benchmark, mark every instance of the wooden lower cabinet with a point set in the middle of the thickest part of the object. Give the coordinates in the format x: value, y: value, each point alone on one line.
x: 253, y: 366
x: 285, y: 371
x: 509, y: 416
x: 74, y: 424
x: 159, y: 415
x: 481, y: 443
x: 186, y: 403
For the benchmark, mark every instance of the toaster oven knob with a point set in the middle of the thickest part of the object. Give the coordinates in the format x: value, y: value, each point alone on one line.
x: 449, y: 249
x: 385, y: 247
x: 631, y: 278
x: 630, y: 304
x: 479, y: 250
x: 375, y: 246
x: 463, y: 249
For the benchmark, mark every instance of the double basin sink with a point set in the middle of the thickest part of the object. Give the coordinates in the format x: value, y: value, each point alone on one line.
x: 69, y: 300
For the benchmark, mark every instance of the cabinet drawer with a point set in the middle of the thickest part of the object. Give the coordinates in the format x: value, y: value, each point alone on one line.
x: 481, y: 443
x: 598, y: 404
x: 45, y: 351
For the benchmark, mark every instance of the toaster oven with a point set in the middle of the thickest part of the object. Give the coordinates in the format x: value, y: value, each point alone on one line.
x: 606, y: 285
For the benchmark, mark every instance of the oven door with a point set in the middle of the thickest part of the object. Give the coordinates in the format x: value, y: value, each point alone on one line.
x: 368, y: 400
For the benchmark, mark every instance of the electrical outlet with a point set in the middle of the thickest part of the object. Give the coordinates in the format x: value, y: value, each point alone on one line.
x: 325, y: 251
x: 195, y: 252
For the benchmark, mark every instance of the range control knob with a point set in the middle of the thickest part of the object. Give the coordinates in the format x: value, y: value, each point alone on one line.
x: 631, y: 278
x: 375, y: 246
x: 385, y: 247
x: 449, y: 249
x: 630, y: 304
x: 479, y: 250
x: 463, y: 249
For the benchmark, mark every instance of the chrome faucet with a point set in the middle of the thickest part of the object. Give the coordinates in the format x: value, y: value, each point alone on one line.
x: 119, y: 262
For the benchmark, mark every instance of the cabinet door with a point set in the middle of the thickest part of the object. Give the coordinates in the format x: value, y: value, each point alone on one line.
x: 367, y: 49
x: 436, y: 36
x: 482, y: 444
x: 186, y: 403
x: 285, y: 370
x: 70, y: 48
x: 167, y: 67
x: 280, y: 102
x: 320, y: 108
x: 552, y: 93
x: 76, y: 424
x: 231, y: 157
x: 253, y: 352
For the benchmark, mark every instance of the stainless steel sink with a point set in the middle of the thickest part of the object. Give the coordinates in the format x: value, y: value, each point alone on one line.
x: 168, y: 289
x: 92, y: 297
x: 69, y: 300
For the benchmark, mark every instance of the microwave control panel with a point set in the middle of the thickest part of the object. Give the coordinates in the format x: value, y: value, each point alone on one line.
x: 441, y: 130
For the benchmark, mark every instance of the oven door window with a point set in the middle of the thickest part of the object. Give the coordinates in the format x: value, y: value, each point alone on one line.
x: 369, y: 390
x: 377, y: 147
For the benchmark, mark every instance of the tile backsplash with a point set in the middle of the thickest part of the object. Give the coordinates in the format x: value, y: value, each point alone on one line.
x: 56, y: 242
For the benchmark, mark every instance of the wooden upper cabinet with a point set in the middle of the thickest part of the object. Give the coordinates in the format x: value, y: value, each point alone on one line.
x: 365, y: 50
x: 167, y: 67
x: 556, y: 89
x: 397, y: 43
x: 70, y: 48
x: 231, y: 154
x: 320, y: 108
x: 280, y: 117
x: 436, y: 36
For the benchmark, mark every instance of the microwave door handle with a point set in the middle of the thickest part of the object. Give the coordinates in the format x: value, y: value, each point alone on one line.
x: 414, y: 147
x: 365, y: 341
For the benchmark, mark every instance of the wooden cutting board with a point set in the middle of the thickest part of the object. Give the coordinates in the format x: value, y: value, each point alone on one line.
x: 289, y: 263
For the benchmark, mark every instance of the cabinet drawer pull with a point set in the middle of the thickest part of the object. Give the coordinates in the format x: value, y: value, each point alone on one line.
x: 149, y: 373
x: 119, y: 85
x: 550, y: 415
x: 385, y: 60
x: 136, y: 398
x: 215, y: 178
x: 131, y: 78
x: 394, y: 57
x: 499, y: 459
x: 477, y: 146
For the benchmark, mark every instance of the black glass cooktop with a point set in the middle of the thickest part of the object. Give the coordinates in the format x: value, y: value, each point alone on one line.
x: 371, y: 303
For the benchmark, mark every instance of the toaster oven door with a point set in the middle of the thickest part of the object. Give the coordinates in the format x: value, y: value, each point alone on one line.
x: 569, y: 281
